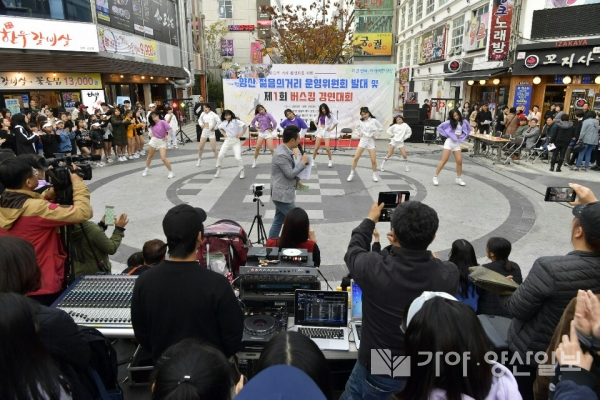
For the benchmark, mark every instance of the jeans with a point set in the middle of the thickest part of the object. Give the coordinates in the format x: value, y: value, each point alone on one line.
x: 362, y: 385
x: 587, y: 153
x: 281, y: 210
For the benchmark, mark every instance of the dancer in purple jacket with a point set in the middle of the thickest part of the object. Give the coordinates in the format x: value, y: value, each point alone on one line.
x: 266, y: 125
x: 455, y: 130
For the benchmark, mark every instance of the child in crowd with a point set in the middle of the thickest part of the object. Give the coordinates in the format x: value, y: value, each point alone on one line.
x: 132, y: 126
x: 82, y: 138
x: 64, y: 144
x: 232, y: 129
x: 140, y: 117
x: 463, y: 256
x: 171, y: 119
x: 399, y: 132
x: 50, y: 140
x: 97, y: 138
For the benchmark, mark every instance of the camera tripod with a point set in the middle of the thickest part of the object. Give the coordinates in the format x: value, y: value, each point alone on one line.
x: 262, y: 234
x: 180, y: 131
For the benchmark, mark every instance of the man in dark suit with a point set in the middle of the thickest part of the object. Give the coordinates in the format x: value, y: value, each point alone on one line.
x: 284, y: 179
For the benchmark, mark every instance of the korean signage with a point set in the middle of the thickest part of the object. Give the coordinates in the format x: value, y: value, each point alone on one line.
x: 256, y: 53
x: 241, y: 27
x: 263, y: 19
x: 49, y: 80
x: 92, y: 98
x: 502, y: 12
x: 403, y: 85
x: 476, y: 33
x: 433, y: 46
x: 112, y: 41
x: 573, y: 60
x: 40, y: 34
x: 226, y: 47
x: 373, y: 44
x: 302, y: 87
x: 523, y: 96
x: 154, y: 19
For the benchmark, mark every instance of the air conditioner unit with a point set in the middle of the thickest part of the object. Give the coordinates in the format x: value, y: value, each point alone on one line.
x: 458, y: 50
x: 451, y: 52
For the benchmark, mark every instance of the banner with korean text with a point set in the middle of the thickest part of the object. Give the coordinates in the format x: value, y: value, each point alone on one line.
x: 303, y: 87
x: 113, y: 41
x: 49, y: 81
x: 502, y: 12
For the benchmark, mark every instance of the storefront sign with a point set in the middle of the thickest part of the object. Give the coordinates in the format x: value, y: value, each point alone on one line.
x: 433, y: 46
x: 523, y: 96
x: 241, y: 27
x: 13, y: 106
x: 502, y: 12
x: 256, y: 53
x: 226, y: 47
x: 40, y: 34
x: 48, y: 80
x: 70, y: 98
x: 476, y: 33
x: 373, y: 44
x: 92, y: 99
x: 112, y: 41
x: 453, y: 66
x: 558, y: 61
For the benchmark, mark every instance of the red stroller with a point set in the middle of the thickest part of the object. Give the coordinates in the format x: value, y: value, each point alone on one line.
x: 224, y: 248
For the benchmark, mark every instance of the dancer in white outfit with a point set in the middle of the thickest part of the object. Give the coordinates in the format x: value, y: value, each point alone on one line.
x: 208, y: 120
x: 326, y: 124
x: 171, y: 119
x: 368, y: 129
x: 232, y: 129
x: 399, y: 132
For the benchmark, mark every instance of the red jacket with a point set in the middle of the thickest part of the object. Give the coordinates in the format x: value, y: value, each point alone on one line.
x: 30, y: 216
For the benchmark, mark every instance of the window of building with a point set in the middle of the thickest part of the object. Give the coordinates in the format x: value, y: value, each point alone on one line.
x: 481, y: 11
x: 401, y: 55
x: 225, y: 9
x: 411, y: 7
x: 407, y: 63
x: 416, y: 51
x: 442, y: 2
x: 430, y: 6
x: 70, y: 10
x: 403, y: 19
x: 419, y: 10
x: 458, y: 30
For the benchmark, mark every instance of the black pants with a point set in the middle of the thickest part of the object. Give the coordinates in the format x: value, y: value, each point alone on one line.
x: 198, y: 132
x: 558, y: 156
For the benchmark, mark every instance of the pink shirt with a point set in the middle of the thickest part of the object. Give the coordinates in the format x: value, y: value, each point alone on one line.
x: 161, y: 129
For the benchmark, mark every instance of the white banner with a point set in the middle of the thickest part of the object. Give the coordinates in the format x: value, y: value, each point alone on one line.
x: 92, y: 99
x: 303, y: 87
x: 114, y: 41
x: 42, y: 34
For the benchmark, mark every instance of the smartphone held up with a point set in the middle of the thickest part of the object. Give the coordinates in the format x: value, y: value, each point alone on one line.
x: 391, y: 201
x: 560, y: 194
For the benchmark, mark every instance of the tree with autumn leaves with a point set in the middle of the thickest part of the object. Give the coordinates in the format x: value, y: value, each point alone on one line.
x: 320, y: 33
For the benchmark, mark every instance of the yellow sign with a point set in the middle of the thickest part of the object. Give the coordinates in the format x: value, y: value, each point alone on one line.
x: 373, y: 44
x: 49, y: 80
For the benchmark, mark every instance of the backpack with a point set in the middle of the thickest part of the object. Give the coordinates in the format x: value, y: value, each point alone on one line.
x: 103, y: 371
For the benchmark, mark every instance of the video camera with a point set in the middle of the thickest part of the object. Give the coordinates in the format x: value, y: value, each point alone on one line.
x: 60, y: 173
x: 257, y: 189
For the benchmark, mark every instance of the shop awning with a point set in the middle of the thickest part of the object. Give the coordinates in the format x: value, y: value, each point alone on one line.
x: 476, y: 75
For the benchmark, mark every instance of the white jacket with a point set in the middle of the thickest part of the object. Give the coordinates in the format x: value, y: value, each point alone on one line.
x: 211, y: 119
x: 399, y: 132
x: 329, y: 122
x: 369, y: 128
x: 232, y: 128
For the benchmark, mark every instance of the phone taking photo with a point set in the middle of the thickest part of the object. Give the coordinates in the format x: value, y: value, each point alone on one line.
x: 391, y: 201
x: 109, y: 215
x: 560, y: 194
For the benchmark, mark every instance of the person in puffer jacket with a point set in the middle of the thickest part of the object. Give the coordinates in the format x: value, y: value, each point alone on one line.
x: 538, y: 304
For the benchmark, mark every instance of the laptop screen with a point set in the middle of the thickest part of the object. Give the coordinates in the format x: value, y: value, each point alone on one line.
x: 356, y: 301
x: 321, y: 308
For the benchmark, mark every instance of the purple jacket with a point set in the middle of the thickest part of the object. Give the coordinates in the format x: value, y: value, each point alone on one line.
x: 446, y: 130
x: 299, y: 122
x: 265, y: 121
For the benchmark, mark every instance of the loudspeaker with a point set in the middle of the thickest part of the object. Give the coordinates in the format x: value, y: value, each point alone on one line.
x: 411, y: 113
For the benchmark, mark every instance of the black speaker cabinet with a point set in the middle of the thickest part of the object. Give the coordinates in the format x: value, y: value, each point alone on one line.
x: 411, y: 113
x: 417, y: 133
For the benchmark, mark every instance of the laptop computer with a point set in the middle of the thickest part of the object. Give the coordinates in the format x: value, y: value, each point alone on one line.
x: 322, y: 316
x: 356, y: 313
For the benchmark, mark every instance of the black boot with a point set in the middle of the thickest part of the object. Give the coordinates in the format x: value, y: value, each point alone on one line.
x: 552, y: 167
x: 558, y: 169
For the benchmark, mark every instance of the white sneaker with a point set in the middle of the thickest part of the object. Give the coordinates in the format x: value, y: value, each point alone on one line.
x: 130, y: 157
x: 254, y: 163
x: 142, y: 153
x: 109, y: 160
x: 406, y: 167
x: 176, y: 147
x: 382, y: 165
x: 460, y: 181
x: 146, y: 170
x: 136, y: 155
x: 350, y: 176
x: 199, y: 163
x: 435, y: 181
x: 375, y: 178
x: 218, y: 172
x: 171, y: 175
x: 313, y: 163
x: 169, y: 147
x: 330, y: 164
x: 242, y: 174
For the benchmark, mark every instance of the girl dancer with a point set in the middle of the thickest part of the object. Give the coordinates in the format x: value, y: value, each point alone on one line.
x: 232, y: 129
x: 208, y: 120
x: 171, y: 119
x: 455, y: 130
x: 266, y: 125
x: 325, y: 123
x: 292, y: 119
x: 399, y: 132
x: 158, y: 141
x: 368, y: 129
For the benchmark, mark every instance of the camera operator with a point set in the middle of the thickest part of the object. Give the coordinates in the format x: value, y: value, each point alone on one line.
x: 33, y: 217
x: 284, y: 179
x: 91, y: 247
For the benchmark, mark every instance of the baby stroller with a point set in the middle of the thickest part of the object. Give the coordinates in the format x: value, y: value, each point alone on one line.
x: 224, y: 248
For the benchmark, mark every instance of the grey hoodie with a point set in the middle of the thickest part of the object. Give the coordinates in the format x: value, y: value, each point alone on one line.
x: 589, y: 131
x: 563, y: 133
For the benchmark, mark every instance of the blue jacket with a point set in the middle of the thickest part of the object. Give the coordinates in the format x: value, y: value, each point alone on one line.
x: 65, y: 141
x: 472, y: 296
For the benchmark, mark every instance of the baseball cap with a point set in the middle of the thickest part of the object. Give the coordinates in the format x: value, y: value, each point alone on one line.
x: 182, y: 223
x: 589, y: 217
x: 151, y: 105
x: 60, y: 122
x: 82, y: 106
x: 281, y: 382
x: 47, y: 124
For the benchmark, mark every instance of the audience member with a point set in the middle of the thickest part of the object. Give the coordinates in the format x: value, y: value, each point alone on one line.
x: 560, y: 135
x: 389, y: 284
x: 498, y: 250
x: 297, y: 234
x: 179, y: 299
x: 558, y: 113
x: 571, y: 155
x: 551, y: 112
x: 537, y: 305
x: 281, y: 382
x: 511, y: 122
x: 484, y: 119
x: 589, y: 138
x: 31, y: 216
x: 463, y: 256
x: 39, y: 164
x: 153, y: 253
x: 4, y: 154
x: 297, y: 350
x: 191, y: 370
x: 91, y: 247
x: 531, y: 134
x: 451, y: 363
